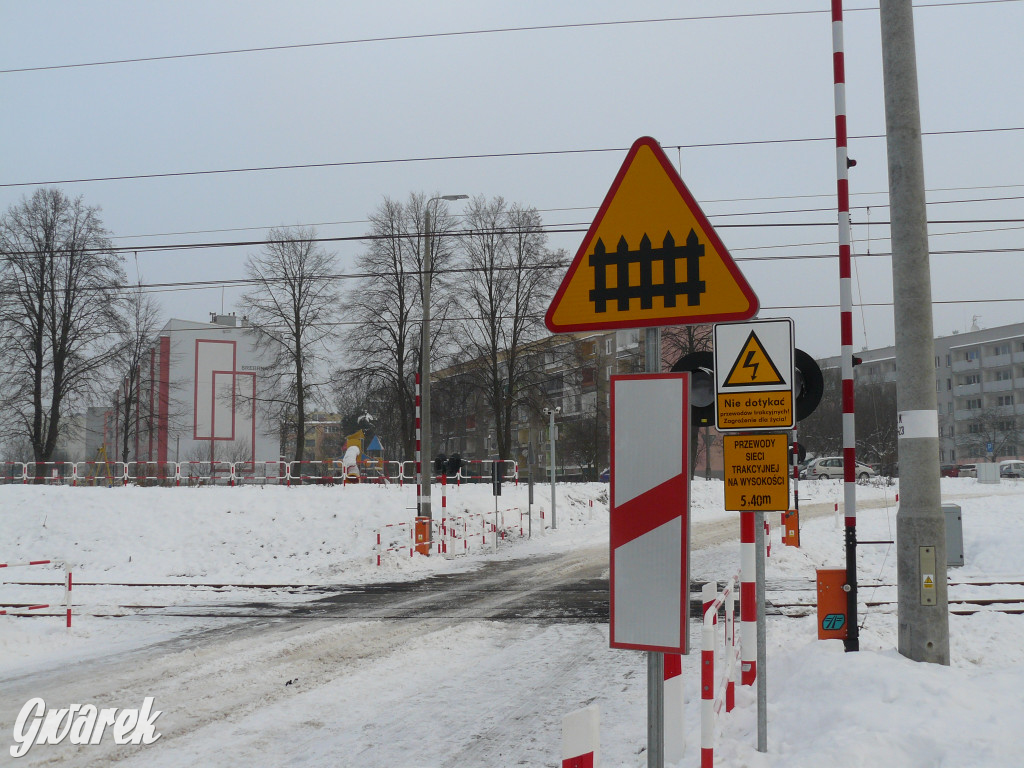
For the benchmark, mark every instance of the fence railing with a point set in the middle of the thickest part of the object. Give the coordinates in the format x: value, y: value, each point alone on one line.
x: 233, y: 473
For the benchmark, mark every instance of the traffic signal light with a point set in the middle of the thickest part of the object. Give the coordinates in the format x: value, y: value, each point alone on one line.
x: 808, y: 385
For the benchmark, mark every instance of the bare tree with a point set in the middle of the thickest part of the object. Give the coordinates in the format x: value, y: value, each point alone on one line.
x: 59, y: 312
x: 292, y: 307
x: 989, y: 433
x: 382, y: 349
x: 506, y: 287
x: 141, y: 323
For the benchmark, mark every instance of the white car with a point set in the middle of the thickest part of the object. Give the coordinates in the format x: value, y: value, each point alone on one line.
x: 831, y: 467
x: 1011, y: 468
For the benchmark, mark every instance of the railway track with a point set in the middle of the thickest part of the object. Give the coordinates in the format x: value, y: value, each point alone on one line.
x: 453, y: 595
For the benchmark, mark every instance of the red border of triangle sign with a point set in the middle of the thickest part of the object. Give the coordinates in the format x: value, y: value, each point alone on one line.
x: 650, y: 258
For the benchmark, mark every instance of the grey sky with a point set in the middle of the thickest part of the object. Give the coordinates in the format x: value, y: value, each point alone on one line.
x: 727, y: 80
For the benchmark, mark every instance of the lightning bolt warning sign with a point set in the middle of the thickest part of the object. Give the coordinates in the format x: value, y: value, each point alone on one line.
x: 754, y: 374
x: 753, y: 366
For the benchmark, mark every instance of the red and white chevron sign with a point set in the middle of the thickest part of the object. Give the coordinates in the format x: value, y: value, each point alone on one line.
x: 650, y: 512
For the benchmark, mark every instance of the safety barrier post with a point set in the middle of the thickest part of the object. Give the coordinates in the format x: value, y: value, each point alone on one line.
x: 581, y: 743
x: 674, y: 698
x: 712, y: 697
x: 748, y: 599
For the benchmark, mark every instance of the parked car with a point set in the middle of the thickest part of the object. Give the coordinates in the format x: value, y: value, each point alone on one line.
x: 605, y: 476
x: 1011, y: 468
x: 831, y: 467
x: 949, y: 470
x: 968, y: 470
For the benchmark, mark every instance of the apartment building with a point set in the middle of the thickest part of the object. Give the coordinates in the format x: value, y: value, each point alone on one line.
x: 979, y: 387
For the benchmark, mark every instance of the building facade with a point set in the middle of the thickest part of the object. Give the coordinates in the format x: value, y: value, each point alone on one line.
x: 197, y: 398
x: 979, y: 388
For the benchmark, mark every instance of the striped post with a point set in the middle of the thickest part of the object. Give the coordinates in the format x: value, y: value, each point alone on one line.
x: 748, y: 600
x: 581, y: 745
x: 843, y: 164
x: 796, y: 471
x: 708, y: 595
x: 675, y: 724
x: 419, y: 458
x: 67, y: 593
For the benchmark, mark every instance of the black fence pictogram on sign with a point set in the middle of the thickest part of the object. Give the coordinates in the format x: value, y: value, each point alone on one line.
x: 668, y: 289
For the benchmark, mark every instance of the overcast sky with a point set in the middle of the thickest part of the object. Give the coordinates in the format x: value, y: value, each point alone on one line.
x: 738, y: 93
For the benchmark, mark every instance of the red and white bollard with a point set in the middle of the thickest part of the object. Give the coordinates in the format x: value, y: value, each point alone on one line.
x: 581, y: 742
x: 748, y: 600
x: 674, y: 699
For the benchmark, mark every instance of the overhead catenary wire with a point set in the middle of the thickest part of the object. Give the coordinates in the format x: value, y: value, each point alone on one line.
x: 477, y: 156
x: 587, y: 208
x: 471, y: 32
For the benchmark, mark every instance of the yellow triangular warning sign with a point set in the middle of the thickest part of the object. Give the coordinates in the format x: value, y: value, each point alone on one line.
x: 753, y: 366
x: 928, y: 583
x: 649, y: 258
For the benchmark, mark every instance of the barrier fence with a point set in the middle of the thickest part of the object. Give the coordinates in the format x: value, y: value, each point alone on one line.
x: 451, y: 536
x: 235, y: 473
x: 712, y: 697
x: 67, y: 590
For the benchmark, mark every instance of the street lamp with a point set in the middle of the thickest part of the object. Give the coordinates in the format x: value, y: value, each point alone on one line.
x: 425, y: 454
x: 550, y: 412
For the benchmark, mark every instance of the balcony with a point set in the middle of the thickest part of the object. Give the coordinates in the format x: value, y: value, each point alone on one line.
x: 997, y: 361
x: 963, y: 390
x: 1006, y: 385
x: 959, y: 366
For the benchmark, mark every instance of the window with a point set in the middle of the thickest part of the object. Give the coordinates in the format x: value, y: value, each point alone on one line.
x: 936, y: 361
x: 949, y: 407
x: 974, y: 404
x: 949, y: 384
x: 1001, y: 349
x: 942, y: 431
x: 1009, y: 450
x: 607, y: 373
x: 952, y: 430
x: 609, y: 345
x: 1004, y: 400
x: 971, y: 378
x: 1002, y: 376
x: 974, y: 429
x: 948, y: 360
x: 971, y: 354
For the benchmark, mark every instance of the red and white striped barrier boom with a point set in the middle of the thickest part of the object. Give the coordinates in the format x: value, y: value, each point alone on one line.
x: 843, y: 164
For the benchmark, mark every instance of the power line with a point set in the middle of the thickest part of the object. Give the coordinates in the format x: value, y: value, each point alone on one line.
x: 479, y: 156
x: 193, y: 285
x: 467, y: 33
x: 590, y: 208
x: 561, y: 229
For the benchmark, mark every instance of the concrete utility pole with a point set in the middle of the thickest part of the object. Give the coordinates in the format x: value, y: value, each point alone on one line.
x: 923, y: 609
x: 426, y: 457
x: 551, y: 413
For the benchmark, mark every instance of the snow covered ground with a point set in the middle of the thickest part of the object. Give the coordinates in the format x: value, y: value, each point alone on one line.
x: 473, y: 692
